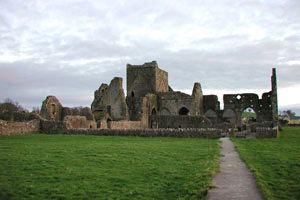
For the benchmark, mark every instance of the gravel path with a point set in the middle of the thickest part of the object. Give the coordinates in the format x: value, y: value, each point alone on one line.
x: 235, y: 181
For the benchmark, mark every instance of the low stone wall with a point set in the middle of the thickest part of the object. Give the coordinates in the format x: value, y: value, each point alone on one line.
x: 52, y: 127
x: 79, y: 122
x: 15, y: 128
x: 126, y: 125
x: 242, y: 134
x: 266, y: 132
x: 180, y: 133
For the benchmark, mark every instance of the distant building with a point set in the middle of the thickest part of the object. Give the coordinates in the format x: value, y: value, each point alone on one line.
x: 294, y: 120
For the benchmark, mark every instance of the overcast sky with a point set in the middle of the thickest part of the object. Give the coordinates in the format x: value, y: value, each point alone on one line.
x: 68, y: 48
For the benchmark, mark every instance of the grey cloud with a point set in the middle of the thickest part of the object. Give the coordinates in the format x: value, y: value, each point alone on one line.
x: 55, y: 36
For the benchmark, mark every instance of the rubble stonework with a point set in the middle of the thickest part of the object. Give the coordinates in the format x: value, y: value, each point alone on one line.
x: 79, y: 122
x: 72, y: 117
x: 110, y: 102
x: 152, y: 108
x: 152, y: 103
x: 16, y: 128
x: 51, y: 109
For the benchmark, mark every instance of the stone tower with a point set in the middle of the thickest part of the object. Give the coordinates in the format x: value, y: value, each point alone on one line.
x: 142, y: 80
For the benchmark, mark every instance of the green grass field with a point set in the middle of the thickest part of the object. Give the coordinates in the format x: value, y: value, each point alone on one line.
x: 275, y: 163
x: 249, y: 115
x: 41, y: 166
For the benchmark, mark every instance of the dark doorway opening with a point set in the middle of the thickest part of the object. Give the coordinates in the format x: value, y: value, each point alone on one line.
x: 108, y: 123
x: 153, y: 111
x: 184, y: 111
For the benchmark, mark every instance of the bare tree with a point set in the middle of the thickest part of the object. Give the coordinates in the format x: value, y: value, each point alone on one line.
x: 289, y: 113
x: 36, y: 110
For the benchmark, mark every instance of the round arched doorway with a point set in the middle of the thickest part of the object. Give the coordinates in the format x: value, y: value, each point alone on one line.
x: 183, y: 111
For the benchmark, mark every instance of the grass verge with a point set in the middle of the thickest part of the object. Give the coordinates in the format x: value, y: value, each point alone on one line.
x: 275, y: 163
x: 41, y: 166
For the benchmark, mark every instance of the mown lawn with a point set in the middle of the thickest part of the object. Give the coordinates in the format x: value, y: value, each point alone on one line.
x: 41, y: 166
x: 275, y: 163
x: 249, y: 115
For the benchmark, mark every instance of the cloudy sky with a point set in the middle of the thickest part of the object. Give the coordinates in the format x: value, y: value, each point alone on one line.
x: 68, y: 48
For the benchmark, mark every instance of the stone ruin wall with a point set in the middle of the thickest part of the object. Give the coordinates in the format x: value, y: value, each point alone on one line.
x: 51, y: 109
x: 142, y: 80
x: 164, y: 121
x: 170, y: 103
x: 161, y: 80
x: 52, y: 127
x: 72, y: 117
x: 148, y: 79
x: 150, y: 103
x: 78, y: 122
x: 267, y: 132
x: 110, y: 101
x: 179, y: 133
x: 197, y: 96
x: 18, y: 128
x: 119, y: 125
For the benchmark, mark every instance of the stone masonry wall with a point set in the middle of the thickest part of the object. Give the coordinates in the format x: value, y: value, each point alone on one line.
x: 15, y: 128
x: 266, y: 132
x: 164, y: 121
x: 179, y: 133
x: 79, y: 122
x: 110, y: 100
x: 126, y: 125
x: 51, y: 126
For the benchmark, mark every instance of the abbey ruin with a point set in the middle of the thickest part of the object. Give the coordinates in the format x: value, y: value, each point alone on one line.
x: 152, y: 108
x: 151, y: 103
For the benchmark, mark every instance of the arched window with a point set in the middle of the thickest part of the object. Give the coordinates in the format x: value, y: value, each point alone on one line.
x: 183, y: 111
x: 132, y: 94
x: 248, y: 116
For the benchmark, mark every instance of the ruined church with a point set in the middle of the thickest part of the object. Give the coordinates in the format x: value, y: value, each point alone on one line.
x: 151, y: 103
x: 152, y: 109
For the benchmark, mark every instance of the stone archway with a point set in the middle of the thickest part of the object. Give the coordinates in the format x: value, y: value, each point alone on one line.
x: 183, y: 111
x: 248, y: 118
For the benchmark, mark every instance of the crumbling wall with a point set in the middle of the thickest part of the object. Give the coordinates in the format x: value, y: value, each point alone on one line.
x: 161, y: 80
x: 51, y: 109
x: 142, y: 80
x: 179, y: 133
x: 163, y: 121
x: 15, y: 128
x: 146, y: 78
x: 134, y: 107
x: 274, y: 102
x: 52, y: 127
x: 149, y: 107
x: 110, y: 100
x: 197, y: 96
x: 79, y: 122
x: 237, y: 103
x: 86, y: 112
x: 267, y: 132
x: 211, y: 102
x: 120, y: 125
x: 173, y: 102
